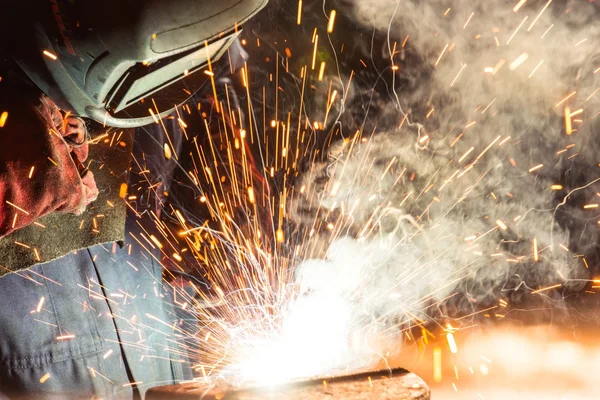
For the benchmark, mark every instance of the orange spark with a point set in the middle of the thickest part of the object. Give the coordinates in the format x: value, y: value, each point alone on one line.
x: 535, y: 69
x: 536, y: 167
x: 547, y: 288
x: 519, y: 5
x: 565, y: 99
x: 539, y: 15
x: 441, y: 54
x: 17, y: 207
x: 568, y: 127
x: 469, y: 19
x: 299, y: 18
x: 40, y: 304
x: 153, y: 116
x: 156, y: 242
x: 251, y: 198
x: 322, y: 70
x: 518, y: 61
x: 457, y: 75
x: 167, y: 151
x: 3, y: 118
x: 452, y: 343
x: 516, y: 30
x: 314, y: 59
x: 437, y: 364
x: 123, y: 190
x: 331, y: 21
x: 50, y: 55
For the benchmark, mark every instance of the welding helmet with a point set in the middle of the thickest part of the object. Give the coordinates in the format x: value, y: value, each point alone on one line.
x: 124, y: 63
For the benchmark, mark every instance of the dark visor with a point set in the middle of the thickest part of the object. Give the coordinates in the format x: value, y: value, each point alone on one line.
x: 165, y: 83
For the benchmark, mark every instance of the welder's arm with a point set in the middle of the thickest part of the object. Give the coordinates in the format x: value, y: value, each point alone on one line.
x: 39, y: 172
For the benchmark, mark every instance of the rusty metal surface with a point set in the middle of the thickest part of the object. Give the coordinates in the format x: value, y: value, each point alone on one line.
x: 397, y: 384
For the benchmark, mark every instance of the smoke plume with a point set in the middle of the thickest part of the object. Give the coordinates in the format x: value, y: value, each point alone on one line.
x: 484, y: 189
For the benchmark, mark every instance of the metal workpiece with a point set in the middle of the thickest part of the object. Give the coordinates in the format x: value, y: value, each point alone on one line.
x: 395, y: 384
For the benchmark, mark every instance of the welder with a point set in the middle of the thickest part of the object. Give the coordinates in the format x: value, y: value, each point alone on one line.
x: 95, y: 321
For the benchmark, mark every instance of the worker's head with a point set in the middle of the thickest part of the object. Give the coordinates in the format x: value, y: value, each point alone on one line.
x: 112, y: 61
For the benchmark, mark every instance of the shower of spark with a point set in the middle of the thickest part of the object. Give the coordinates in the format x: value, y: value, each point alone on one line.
x: 460, y: 208
x: 413, y: 218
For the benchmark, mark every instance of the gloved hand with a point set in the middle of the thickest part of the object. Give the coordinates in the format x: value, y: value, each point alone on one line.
x: 41, y: 163
x: 74, y: 133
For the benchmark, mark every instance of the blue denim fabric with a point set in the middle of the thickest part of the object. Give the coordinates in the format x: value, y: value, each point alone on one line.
x: 112, y: 310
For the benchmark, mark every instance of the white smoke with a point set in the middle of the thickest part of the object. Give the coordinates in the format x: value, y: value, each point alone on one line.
x: 462, y: 203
